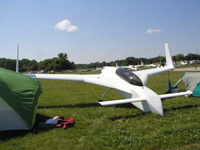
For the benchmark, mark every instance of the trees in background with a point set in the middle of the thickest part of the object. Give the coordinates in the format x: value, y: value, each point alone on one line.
x: 8, y: 63
x: 28, y: 65
x: 178, y: 57
x: 191, y: 56
x: 57, y: 64
x: 138, y: 61
x: 61, y: 62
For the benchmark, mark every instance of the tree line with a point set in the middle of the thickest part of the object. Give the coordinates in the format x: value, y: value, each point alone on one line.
x: 61, y: 62
x: 138, y: 61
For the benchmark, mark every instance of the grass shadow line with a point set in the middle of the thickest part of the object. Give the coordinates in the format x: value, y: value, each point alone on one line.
x: 181, y: 107
x: 83, y: 105
x: 128, y: 105
x: 115, y: 118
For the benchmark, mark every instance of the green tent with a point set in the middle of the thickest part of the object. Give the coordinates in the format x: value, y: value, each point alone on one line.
x: 196, y: 91
x: 192, y: 80
x: 18, y: 100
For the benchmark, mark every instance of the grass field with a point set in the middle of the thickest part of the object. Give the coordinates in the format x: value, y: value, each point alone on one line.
x: 107, y: 128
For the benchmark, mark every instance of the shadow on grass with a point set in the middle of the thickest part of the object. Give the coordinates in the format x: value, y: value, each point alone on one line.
x: 141, y: 114
x: 40, y: 119
x: 181, y: 107
x: 83, y: 105
x: 129, y: 105
x: 115, y: 118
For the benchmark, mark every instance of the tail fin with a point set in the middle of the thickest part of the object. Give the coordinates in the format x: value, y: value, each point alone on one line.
x: 169, y: 61
x: 116, y: 64
x: 17, y: 61
x: 150, y: 72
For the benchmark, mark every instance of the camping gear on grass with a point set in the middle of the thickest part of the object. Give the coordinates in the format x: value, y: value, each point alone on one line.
x: 61, y: 122
x: 53, y: 120
x: 172, y: 89
x: 18, y: 100
x: 64, y: 122
x: 191, y: 81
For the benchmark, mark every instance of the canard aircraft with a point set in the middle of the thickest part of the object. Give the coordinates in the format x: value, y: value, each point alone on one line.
x: 131, y: 85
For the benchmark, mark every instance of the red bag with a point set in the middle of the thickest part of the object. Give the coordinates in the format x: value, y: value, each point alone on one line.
x: 64, y: 122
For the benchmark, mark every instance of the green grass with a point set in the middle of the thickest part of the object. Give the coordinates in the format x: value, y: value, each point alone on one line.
x: 119, y: 127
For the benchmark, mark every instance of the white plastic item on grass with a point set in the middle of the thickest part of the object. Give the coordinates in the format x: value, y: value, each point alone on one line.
x: 52, y: 120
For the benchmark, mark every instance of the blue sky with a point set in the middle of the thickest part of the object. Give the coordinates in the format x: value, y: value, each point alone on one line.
x: 98, y: 30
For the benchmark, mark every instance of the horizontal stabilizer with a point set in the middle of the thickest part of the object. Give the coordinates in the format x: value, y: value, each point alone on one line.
x: 187, y: 93
x: 121, y: 101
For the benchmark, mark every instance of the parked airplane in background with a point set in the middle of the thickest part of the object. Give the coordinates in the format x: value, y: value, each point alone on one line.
x: 141, y: 65
x: 151, y: 65
x: 130, y: 67
x: 131, y: 85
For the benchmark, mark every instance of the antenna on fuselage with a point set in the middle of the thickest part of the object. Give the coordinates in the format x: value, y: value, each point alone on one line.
x: 17, y: 61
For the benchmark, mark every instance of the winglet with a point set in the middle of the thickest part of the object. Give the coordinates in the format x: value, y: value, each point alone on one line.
x: 169, y: 61
x: 17, y: 60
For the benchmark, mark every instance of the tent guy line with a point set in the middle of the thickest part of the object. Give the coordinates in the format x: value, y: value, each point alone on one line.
x: 131, y: 85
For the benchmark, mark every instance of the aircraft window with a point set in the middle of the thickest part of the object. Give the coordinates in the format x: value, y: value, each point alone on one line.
x: 129, y: 76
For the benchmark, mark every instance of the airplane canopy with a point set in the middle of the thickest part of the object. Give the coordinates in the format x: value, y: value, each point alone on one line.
x: 129, y: 76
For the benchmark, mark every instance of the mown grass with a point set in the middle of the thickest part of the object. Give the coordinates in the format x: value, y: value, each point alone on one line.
x: 117, y: 127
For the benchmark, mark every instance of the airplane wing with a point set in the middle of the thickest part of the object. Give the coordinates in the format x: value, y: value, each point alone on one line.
x: 133, y: 100
x: 102, y: 79
x: 169, y: 65
x: 187, y: 93
x: 121, y: 101
x: 59, y: 76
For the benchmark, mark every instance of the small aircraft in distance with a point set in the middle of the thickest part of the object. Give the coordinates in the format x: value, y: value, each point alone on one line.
x: 131, y: 85
x: 151, y: 65
x: 130, y: 67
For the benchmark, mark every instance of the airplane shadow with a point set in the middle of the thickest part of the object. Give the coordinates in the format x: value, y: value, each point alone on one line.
x: 115, y: 118
x: 140, y: 114
x: 40, y: 119
x: 181, y: 107
x: 83, y: 105
x: 129, y: 105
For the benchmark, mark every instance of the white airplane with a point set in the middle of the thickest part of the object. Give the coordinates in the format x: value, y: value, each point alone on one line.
x: 141, y: 65
x: 151, y: 65
x: 131, y: 85
x: 17, y: 61
x: 130, y: 67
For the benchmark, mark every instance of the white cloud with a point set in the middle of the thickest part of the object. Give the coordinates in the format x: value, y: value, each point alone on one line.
x: 151, y: 31
x: 66, y: 25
